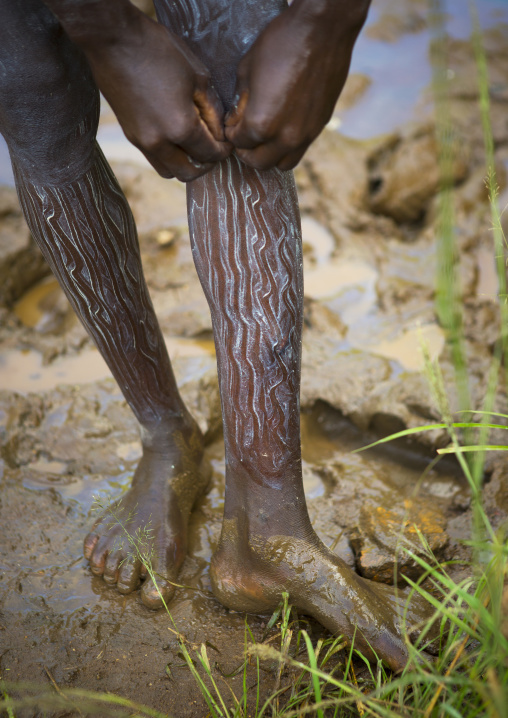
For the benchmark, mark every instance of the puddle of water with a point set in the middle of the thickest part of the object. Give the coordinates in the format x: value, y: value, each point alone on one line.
x: 313, y: 484
x: 333, y: 278
x: 406, y: 348
x: 22, y: 371
x: 6, y: 176
x: 82, y: 490
x: 326, y: 436
x: 36, y: 307
x: 400, y: 71
x: 318, y: 238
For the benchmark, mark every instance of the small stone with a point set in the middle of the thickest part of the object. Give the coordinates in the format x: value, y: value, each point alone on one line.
x: 165, y: 237
x: 384, y: 532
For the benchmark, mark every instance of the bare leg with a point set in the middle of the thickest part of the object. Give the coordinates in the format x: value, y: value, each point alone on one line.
x: 85, y: 229
x: 245, y: 232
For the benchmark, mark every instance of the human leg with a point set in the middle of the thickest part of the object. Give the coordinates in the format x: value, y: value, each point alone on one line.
x: 245, y: 234
x: 84, y: 227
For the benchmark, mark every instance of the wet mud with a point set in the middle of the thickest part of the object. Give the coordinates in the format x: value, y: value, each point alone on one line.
x: 367, y: 189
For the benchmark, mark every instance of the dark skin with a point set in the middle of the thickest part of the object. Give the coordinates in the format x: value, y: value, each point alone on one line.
x: 188, y: 125
x: 286, y: 88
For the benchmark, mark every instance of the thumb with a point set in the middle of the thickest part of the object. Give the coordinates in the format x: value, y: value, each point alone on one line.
x: 211, y: 111
x: 233, y: 119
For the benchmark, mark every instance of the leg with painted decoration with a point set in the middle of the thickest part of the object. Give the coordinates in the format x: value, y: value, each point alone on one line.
x: 49, y: 107
x: 245, y: 233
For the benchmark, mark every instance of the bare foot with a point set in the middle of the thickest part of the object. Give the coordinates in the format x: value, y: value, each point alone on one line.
x: 167, y: 482
x: 251, y: 575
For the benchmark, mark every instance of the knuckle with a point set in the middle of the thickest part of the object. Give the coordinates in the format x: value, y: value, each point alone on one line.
x: 164, y: 172
x: 291, y: 138
x: 147, y: 141
x: 258, y: 163
x: 287, y: 164
x: 183, y: 129
x: 259, y: 129
x: 187, y: 175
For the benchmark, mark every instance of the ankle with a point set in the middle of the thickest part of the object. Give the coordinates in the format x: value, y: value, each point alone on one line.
x: 260, y: 515
x: 169, y: 433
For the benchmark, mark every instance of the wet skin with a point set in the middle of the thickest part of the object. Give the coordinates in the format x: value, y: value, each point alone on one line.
x: 170, y: 477
x: 249, y: 573
x: 246, y: 243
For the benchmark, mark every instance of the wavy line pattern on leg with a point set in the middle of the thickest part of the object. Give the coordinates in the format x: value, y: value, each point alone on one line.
x: 86, y: 232
x: 246, y: 242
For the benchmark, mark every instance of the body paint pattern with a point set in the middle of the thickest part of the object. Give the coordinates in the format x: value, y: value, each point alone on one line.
x: 246, y: 242
x: 86, y: 232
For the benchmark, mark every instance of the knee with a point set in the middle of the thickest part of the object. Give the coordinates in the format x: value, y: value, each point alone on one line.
x: 49, y: 104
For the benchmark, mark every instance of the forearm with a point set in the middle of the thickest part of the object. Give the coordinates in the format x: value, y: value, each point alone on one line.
x: 335, y: 15
x: 95, y: 23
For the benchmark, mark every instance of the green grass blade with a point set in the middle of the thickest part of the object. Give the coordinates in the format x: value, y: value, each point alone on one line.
x: 313, y: 664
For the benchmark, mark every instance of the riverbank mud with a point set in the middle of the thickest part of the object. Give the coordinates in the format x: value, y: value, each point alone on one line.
x: 368, y: 191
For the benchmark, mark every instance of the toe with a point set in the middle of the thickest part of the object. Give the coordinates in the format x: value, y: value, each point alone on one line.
x: 111, y: 567
x: 128, y: 575
x: 99, y: 555
x: 153, y: 594
x: 89, y: 544
x: 392, y: 650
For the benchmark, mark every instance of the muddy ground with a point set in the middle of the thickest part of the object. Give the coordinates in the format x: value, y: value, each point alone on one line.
x: 367, y: 190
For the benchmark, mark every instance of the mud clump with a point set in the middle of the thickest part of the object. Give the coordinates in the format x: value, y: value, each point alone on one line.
x: 384, y: 536
x: 400, y: 17
x: 21, y: 263
x: 404, y: 173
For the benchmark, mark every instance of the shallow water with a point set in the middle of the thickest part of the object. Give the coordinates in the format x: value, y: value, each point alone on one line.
x: 400, y: 71
x: 23, y: 371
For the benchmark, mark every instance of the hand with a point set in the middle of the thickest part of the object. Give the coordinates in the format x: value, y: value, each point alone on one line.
x: 290, y: 79
x: 163, y: 98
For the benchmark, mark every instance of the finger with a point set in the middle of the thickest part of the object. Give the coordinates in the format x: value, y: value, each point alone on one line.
x: 246, y: 135
x: 211, y: 111
x: 263, y: 157
x: 247, y: 128
x: 235, y: 114
x: 171, y: 161
x: 290, y: 161
x: 199, y: 144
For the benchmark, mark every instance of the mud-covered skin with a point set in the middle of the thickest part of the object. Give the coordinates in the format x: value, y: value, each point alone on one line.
x: 249, y: 574
x: 169, y: 479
